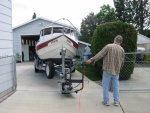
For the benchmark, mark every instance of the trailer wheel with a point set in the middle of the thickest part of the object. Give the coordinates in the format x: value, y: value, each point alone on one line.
x: 49, y: 69
x: 36, y: 70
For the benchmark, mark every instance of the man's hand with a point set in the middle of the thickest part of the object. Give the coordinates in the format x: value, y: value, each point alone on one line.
x: 89, y: 61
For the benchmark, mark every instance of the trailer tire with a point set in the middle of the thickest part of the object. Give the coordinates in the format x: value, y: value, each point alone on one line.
x: 36, y: 70
x: 50, y: 70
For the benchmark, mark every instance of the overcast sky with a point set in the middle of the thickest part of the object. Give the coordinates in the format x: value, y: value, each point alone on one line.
x: 73, y: 10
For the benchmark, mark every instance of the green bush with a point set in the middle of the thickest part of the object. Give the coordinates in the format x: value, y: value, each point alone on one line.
x: 147, y: 57
x: 105, y: 34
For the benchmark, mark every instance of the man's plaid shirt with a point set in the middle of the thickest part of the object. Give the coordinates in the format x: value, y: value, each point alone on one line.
x: 113, y: 58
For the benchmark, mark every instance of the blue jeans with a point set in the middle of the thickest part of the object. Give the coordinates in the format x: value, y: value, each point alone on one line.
x: 114, y: 79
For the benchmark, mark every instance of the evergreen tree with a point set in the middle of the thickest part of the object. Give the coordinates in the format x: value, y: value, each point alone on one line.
x: 120, y: 9
x: 34, y: 15
x: 136, y: 12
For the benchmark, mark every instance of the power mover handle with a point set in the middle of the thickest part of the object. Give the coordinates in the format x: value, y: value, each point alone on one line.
x: 83, y: 73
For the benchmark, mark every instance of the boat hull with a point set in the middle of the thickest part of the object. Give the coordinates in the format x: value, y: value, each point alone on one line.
x: 52, y: 48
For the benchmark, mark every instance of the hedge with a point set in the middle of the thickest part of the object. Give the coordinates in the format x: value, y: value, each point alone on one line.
x: 105, y: 34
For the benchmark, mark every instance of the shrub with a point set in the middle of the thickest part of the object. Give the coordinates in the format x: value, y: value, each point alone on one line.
x: 147, y: 57
x: 89, y: 72
x: 105, y: 34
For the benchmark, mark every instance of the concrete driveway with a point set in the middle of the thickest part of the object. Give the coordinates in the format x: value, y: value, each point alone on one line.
x: 37, y: 94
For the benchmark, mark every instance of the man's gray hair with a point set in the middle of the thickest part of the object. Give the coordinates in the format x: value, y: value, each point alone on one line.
x: 119, y: 38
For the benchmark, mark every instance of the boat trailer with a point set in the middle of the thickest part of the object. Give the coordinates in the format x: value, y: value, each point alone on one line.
x: 64, y: 72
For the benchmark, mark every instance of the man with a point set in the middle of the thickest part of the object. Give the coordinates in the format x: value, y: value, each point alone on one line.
x: 113, y: 59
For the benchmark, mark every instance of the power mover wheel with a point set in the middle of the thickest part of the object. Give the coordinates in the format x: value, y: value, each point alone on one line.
x: 49, y: 69
x: 73, y: 70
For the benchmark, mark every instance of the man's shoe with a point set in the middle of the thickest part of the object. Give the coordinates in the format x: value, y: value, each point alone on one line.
x: 106, y: 103
x: 116, y: 103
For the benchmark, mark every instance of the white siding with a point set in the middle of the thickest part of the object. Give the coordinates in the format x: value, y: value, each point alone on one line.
x: 5, y: 27
x: 6, y: 35
x: 5, y: 8
x: 6, y: 46
x: 147, y: 47
x: 143, y: 39
x: 5, y: 19
x: 6, y: 3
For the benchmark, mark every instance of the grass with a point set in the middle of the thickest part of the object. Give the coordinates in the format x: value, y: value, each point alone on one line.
x: 90, y: 71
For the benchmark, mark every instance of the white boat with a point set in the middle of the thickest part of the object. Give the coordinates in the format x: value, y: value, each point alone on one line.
x: 53, y: 39
x: 55, y: 53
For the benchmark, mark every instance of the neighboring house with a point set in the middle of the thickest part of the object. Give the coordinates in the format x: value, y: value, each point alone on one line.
x: 26, y: 35
x: 143, y: 42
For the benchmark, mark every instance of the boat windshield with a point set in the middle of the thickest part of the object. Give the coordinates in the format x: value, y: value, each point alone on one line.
x: 69, y: 31
x: 63, y: 30
x: 58, y: 30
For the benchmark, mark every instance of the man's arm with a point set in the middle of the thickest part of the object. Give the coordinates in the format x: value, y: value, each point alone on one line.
x: 98, y: 56
x: 123, y: 55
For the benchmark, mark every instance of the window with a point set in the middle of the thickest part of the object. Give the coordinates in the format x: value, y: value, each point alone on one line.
x: 47, y: 31
x: 58, y: 30
x: 69, y: 31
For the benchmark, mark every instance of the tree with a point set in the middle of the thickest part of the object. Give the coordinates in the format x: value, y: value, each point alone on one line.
x: 136, y: 12
x: 120, y: 9
x: 88, y: 26
x: 34, y: 15
x: 142, y: 14
x: 106, y: 14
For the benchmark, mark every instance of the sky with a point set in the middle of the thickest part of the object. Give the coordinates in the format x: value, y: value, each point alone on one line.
x: 73, y: 10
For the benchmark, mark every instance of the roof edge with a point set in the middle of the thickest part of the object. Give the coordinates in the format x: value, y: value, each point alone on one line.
x: 31, y: 21
x: 144, y: 36
x: 84, y: 43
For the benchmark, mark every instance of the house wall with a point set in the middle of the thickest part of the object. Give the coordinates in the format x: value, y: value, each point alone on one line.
x: 7, y: 65
x: 147, y: 47
x: 6, y: 46
x: 143, y: 41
